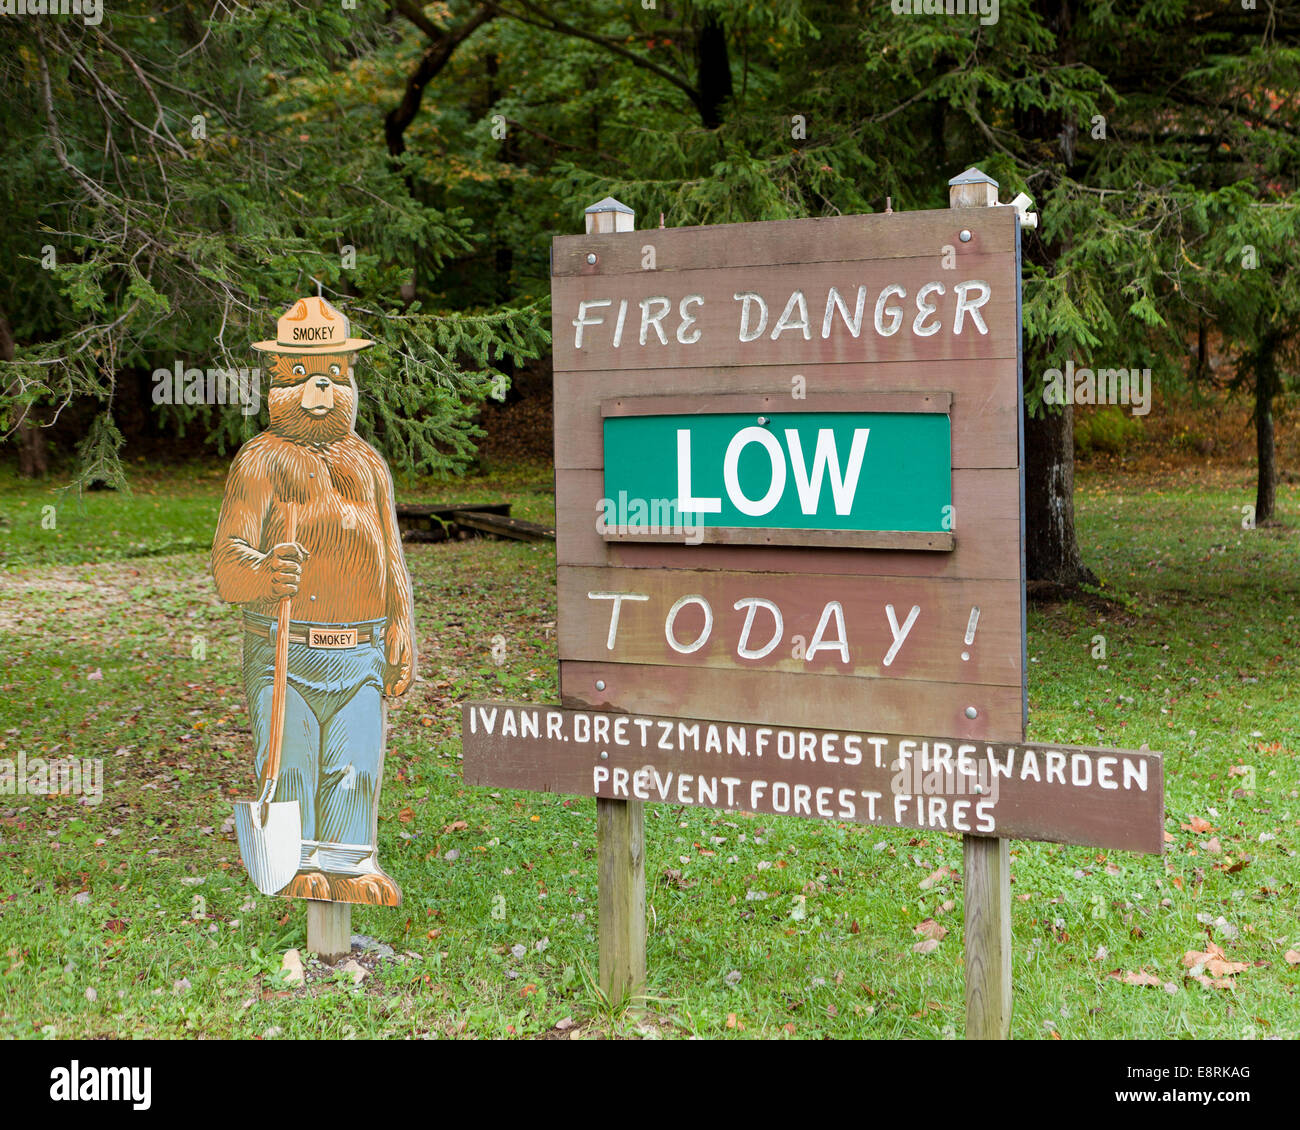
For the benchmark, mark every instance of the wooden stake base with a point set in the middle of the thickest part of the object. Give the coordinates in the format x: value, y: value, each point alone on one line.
x: 329, y: 929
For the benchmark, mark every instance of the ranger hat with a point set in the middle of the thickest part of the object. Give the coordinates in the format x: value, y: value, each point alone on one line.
x: 312, y: 325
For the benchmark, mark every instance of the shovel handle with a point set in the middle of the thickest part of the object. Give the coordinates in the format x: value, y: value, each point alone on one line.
x: 279, y: 688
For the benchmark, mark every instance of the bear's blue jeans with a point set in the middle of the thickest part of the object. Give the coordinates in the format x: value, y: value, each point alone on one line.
x: 333, y: 748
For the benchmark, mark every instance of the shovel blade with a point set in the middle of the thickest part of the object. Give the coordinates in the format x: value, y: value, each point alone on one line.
x: 270, y: 850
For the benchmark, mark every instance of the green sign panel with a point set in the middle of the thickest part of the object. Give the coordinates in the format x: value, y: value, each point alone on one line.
x: 796, y: 470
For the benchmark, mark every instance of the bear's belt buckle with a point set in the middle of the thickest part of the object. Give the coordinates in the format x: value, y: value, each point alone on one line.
x: 332, y: 638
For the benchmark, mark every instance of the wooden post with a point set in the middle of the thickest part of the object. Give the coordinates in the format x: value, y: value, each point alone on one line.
x: 986, y: 877
x: 620, y: 845
x: 329, y: 929
x: 620, y: 824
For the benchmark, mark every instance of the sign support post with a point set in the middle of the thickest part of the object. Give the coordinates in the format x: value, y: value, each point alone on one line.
x: 620, y: 824
x: 986, y: 874
x: 329, y: 929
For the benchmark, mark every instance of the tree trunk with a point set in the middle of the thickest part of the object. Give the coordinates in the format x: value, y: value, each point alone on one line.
x: 1266, y: 387
x: 1051, y: 546
x: 442, y: 45
x: 33, y: 461
x: 713, y: 70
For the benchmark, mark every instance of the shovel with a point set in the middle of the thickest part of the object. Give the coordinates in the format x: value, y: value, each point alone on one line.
x: 270, y: 832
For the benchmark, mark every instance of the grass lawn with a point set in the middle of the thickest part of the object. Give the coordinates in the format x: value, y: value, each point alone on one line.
x: 134, y: 918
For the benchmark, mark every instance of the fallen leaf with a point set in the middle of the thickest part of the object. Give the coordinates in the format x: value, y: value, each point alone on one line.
x: 1213, y: 961
x: 926, y: 946
x: 1210, y: 983
x: 936, y: 876
x: 1197, y: 825
x: 929, y: 928
x: 1213, y: 846
x: 1292, y: 957
x: 455, y: 826
x: 1141, y: 978
x: 406, y: 815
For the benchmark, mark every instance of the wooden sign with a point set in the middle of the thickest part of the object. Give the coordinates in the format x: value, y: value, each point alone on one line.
x: 788, y: 472
x: 1102, y: 797
x: 789, y: 497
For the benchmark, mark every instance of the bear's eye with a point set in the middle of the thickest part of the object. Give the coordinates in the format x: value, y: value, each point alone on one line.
x: 300, y: 370
x: 334, y: 370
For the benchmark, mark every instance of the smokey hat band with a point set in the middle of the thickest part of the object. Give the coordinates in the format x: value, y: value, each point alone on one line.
x: 312, y: 325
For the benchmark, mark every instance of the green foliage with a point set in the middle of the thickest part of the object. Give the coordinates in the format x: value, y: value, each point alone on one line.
x: 1107, y: 429
x: 1157, y: 138
x: 194, y: 175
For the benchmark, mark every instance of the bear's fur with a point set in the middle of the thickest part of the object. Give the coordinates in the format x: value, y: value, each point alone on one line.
x: 310, y: 454
x: 344, y: 563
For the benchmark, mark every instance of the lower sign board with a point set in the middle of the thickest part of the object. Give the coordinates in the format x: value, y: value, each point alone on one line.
x: 1105, y: 798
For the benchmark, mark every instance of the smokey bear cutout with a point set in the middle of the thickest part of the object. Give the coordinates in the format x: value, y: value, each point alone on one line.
x: 351, y: 632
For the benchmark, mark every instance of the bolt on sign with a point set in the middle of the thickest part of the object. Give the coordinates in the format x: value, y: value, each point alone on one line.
x: 790, y: 551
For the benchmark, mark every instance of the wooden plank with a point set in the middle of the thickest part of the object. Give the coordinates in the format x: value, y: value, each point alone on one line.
x: 446, y: 510
x: 892, y: 706
x: 823, y: 240
x: 988, y: 551
x: 916, y: 540
x: 875, y: 400
x: 983, y: 413
x: 932, y: 647
x: 1068, y: 794
x: 620, y: 847
x: 437, y: 534
x: 704, y: 321
x: 501, y: 526
x: 987, y: 896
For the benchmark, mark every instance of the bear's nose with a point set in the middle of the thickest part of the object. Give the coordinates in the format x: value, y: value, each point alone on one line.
x: 322, y: 382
